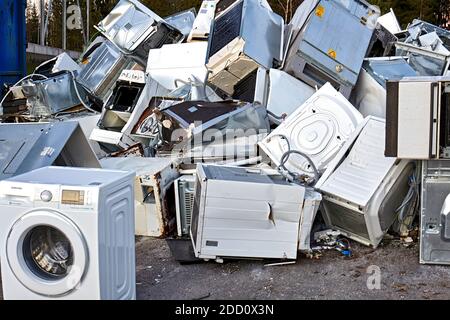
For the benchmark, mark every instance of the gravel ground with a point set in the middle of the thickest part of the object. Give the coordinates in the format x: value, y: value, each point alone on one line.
x: 333, y: 276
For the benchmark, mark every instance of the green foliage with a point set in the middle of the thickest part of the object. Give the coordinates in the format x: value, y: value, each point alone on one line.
x: 434, y: 11
x: 406, y: 11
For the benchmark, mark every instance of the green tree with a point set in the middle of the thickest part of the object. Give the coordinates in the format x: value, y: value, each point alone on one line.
x: 408, y: 10
x: 32, y: 17
x: 433, y: 11
x: 443, y: 14
x: 54, y: 37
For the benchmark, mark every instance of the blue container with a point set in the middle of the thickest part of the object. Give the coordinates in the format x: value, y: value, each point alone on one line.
x: 12, y: 41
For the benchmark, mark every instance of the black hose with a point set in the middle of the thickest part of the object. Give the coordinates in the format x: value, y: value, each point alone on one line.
x: 285, y: 157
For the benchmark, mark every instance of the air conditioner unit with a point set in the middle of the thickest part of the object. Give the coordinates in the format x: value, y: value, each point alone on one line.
x: 184, y: 202
x: 418, y: 118
x: 330, y: 43
x: 362, y: 194
x: 243, y: 213
x: 245, y: 35
x: 434, y: 217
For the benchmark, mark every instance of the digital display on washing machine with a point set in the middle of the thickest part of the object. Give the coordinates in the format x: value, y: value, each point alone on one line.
x: 74, y: 197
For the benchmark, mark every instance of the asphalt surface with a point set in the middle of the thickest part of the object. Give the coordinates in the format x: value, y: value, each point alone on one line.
x: 332, y: 276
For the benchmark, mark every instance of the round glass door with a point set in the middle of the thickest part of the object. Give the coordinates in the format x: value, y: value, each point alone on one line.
x: 47, y: 253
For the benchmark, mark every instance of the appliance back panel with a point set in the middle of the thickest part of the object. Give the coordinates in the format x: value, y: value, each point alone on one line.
x: 192, y: 111
x: 395, y: 198
x: 347, y: 219
x: 226, y: 28
x: 244, y: 90
x: 164, y: 34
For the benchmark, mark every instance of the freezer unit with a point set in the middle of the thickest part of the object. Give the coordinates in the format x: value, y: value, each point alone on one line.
x: 361, y: 196
x: 244, y: 213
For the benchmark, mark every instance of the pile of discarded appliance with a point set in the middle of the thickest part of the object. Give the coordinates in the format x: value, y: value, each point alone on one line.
x: 250, y: 137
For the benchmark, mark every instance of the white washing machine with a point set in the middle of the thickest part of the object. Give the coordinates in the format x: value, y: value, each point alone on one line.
x: 68, y: 233
x: 318, y: 128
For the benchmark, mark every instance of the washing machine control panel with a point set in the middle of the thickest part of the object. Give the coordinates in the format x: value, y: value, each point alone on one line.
x: 55, y: 196
x: 74, y: 197
x: 77, y: 197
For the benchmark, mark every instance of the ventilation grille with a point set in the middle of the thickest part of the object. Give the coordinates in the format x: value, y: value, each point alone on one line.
x: 188, y: 205
x: 245, y: 89
x: 347, y: 220
x: 226, y: 28
x: 196, y: 210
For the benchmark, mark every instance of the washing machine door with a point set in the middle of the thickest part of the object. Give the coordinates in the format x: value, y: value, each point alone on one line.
x: 47, y: 253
